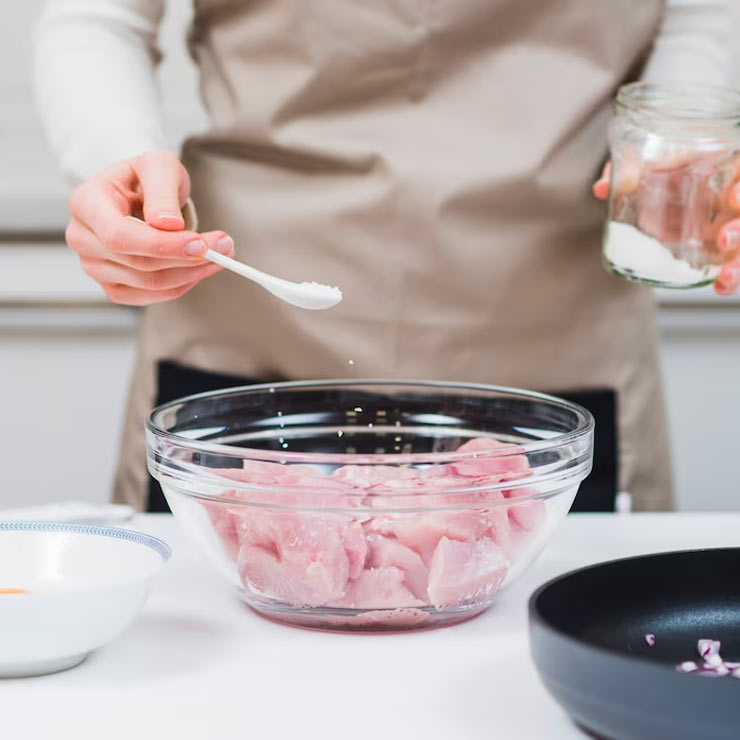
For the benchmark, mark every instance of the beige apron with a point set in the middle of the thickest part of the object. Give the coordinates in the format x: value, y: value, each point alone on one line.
x: 434, y: 159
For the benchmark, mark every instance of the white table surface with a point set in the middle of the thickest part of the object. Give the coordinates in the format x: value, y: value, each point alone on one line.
x: 199, y: 664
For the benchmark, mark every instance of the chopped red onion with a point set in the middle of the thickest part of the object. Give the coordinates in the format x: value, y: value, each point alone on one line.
x: 713, y: 666
x: 688, y: 666
x: 713, y: 661
x: 707, y: 648
x: 650, y: 639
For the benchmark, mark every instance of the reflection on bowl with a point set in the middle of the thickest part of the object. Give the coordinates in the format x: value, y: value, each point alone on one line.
x: 370, y: 504
x: 67, y: 589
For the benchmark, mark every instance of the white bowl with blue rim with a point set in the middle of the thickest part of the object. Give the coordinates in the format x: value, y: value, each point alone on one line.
x: 67, y: 589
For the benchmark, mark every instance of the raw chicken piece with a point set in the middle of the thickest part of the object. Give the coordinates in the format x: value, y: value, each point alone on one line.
x: 438, y: 471
x: 418, y: 491
x: 224, y: 525
x: 366, y: 476
x: 262, y: 571
x: 465, y: 572
x: 527, y: 515
x: 319, y: 551
x: 505, y: 467
x: 384, y: 552
x: 401, y: 561
x: 224, y: 519
x: 525, y: 518
x: 315, y: 492
x: 257, y: 472
x: 356, y: 547
x: 289, y: 485
x: 422, y: 532
x: 378, y: 588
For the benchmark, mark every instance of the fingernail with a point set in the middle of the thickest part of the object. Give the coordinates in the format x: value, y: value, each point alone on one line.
x: 169, y: 216
x: 225, y: 245
x: 728, y: 277
x: 732, y: 238
x: 723, y: 288
x: 195, y: 248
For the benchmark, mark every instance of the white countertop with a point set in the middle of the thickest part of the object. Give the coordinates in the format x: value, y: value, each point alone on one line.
x: 199, y: 664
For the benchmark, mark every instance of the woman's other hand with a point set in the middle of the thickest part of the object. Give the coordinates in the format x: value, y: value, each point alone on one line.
x: 128, y: 231
x: 601, y: 186
x: 727, y: 238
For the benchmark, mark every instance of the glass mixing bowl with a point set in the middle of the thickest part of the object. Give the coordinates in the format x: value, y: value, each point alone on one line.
x: 370, y: 504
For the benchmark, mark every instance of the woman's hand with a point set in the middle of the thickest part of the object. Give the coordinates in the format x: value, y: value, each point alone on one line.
x: 601, y: 186
x: 727, y: 237
x: 127, y: 229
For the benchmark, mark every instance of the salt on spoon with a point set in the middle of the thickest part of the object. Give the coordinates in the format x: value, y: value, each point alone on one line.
x: 314, y: 296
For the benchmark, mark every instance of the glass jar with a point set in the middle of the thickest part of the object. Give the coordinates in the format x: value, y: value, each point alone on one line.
x: 674, y: 153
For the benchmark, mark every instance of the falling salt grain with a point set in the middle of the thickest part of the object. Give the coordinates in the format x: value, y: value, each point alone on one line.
x: 350, y: 362
x: 358, y: 409
x: 340, y: 433
x: 650, y: 639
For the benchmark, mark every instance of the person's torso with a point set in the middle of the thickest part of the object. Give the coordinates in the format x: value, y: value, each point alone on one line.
x: 433, y: 158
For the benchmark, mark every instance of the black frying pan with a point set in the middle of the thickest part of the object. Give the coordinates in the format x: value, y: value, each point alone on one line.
x: 587, y: 631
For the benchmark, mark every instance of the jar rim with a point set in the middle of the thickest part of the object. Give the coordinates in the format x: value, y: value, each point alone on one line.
x: 681, y: 102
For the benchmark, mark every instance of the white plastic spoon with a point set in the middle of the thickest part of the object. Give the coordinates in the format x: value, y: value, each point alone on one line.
x: 314, y: 296
x: 304, y: 295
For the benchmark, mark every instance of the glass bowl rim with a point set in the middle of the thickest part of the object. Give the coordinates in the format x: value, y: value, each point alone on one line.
x: 584, y: 427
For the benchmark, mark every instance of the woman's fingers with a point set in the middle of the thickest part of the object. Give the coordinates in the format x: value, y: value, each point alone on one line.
x: 728, y: 281
x: 601, y: 186
x: 165, y: 186
x: 138, y: 281
x: 126, y: 235
x: 141, y: 261
x: 87, y: 245
x: 728, y: 238
x: 105, y: 273
x: 96, y: 206
x: 128, y: 296
x: 733, y: 197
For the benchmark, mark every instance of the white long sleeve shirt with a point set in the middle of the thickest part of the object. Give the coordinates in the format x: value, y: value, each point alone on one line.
x: 95, y: 60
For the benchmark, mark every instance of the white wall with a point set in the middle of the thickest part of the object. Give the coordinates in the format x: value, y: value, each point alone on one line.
x: 65, y: 353
x: 700, y: 348
x: 62, y: 412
